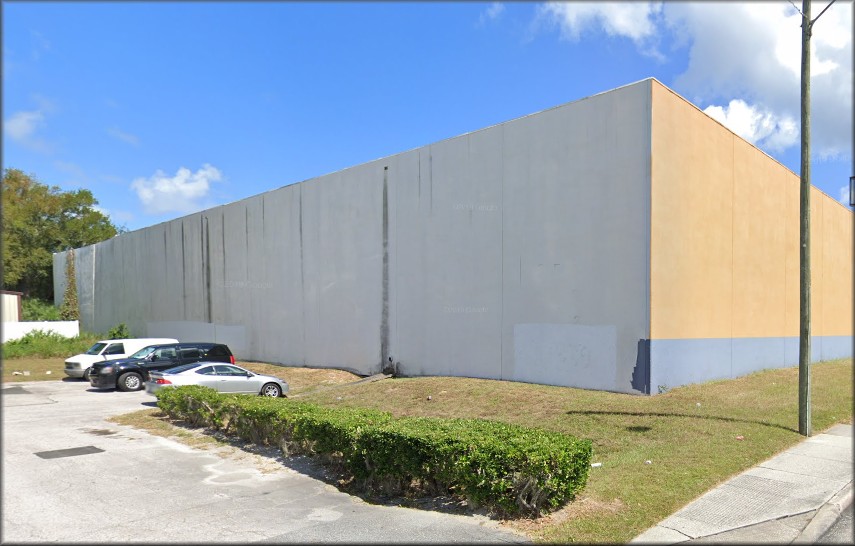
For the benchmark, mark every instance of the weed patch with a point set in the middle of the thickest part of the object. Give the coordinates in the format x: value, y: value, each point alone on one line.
x: 41, y: 344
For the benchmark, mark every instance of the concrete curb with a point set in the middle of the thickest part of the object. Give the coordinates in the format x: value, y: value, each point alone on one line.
x: 826, y: 516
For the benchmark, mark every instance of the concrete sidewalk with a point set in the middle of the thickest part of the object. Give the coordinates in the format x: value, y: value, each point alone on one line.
x: 793, y: 497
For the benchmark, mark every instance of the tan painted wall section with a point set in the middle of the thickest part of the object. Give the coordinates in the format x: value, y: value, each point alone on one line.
x: 691, y: 258
x: 837, y: 262
x: 724, y: 236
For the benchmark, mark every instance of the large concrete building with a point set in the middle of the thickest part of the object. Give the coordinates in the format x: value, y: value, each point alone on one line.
x: 625, y: 242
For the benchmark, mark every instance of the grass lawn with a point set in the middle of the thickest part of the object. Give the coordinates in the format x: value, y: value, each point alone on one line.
x: 40, y: 369
x: 690, y: 435
x: 299, y: 379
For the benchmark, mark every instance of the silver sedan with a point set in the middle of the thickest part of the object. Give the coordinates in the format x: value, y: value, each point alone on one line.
x: 225, y: 378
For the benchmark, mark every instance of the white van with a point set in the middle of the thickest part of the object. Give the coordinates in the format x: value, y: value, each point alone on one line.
x: 109, y: 349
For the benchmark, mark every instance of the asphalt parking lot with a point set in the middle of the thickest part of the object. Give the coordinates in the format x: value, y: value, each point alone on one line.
x: 71, y: 476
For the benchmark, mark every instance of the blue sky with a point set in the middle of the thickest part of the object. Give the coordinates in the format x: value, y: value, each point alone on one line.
x: 162, y: 109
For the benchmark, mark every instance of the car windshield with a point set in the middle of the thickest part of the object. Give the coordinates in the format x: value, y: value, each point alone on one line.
x: 183, y: 367
x: 142, y: 353
x: 96, y: 349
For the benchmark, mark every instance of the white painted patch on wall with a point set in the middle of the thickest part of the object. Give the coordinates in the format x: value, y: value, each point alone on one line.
x: 184, y: 330
x: 565, y: 354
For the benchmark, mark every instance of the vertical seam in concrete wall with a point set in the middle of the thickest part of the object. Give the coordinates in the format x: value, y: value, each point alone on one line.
x: 124, y: 269
x: 248, y: 297
x: 384, y: 313
x: 649, y: 219
x: 167, y: 227
x: 183, y: 275
x: 397, y: 331
x: 649, y: 242
x: 206, y: 236
x: 648, y: 250
x: 223, y: 243
x: 302, y: 275
x: 430, y: 176
x: 502, y: 264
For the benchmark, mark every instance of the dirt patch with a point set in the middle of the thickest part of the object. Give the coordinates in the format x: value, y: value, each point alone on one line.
x: 581, y: 507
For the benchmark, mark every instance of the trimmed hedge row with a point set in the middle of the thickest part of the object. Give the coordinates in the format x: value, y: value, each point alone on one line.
x: 510, y: 469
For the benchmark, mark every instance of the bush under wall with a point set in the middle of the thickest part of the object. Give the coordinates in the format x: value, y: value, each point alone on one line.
x: 509, y: 469
x: 42, y: 344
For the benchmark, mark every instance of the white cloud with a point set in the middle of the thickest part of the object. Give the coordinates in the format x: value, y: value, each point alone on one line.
x: 118, y: 217
x: 41, y: 45
x: 633, y: 20
x: 844, y: 195
x: 21, y: 126
x: 78, y: 175
x: 757, y: 125
x: 492, y: 12
x: 118, y: 134
x: 752, y: 52
x: 183, y: 192
x: 24, y: 126
x: 747, y: 51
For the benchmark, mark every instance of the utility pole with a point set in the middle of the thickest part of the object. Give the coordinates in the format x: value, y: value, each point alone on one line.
x: 804, y: 227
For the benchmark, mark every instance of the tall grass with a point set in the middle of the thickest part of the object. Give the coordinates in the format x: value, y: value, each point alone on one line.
x: 43, y: 344
x: 36, y: 310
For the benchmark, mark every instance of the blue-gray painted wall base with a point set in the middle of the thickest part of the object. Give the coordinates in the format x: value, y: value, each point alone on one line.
x: 676, y: 362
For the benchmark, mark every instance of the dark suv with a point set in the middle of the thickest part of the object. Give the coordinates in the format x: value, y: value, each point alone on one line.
x: 130, y: 374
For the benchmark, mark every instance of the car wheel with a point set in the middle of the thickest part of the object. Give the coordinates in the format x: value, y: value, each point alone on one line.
x: 272, y: 390
x: 87, y: 375
x: 130, y: 382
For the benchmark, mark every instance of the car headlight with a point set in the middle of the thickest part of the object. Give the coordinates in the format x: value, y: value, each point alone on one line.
x: 107, y: 369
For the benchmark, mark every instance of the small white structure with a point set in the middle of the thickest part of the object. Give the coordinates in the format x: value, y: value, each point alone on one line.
x: 11, y: 302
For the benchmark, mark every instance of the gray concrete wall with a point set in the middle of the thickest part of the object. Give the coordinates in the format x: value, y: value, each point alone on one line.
x: 520, y: 251
x: 516, y: 252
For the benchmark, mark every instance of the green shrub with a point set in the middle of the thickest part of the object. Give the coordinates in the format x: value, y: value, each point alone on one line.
x: 42, y: 344
x: 119, y: 331
x: 510, y: 469
x: 36, y: 310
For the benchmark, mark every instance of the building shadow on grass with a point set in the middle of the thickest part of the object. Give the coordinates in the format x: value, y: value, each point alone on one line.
x: 686, y: 415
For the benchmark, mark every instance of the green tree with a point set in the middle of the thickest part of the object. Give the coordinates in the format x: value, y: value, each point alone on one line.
x: 39, y: 220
